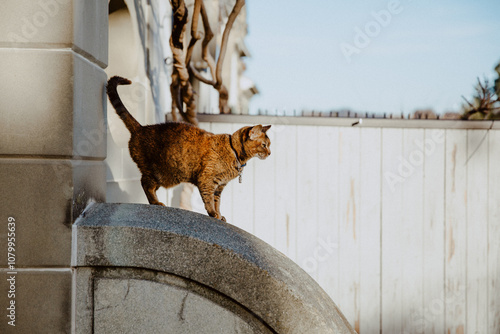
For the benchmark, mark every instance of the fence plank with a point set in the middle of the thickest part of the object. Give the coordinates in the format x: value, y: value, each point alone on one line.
x: 433, y: 317
x: 349, y: 257
x: 456, y: 247
x: 284, y: 147
x: 369, y: 230
x: 307, y: 194
x: 494, y: 234
x: 477, y: 231
x: 264, y: 195
x: 328, y: 210
x: 411, y: 231
x: 243, y: 196
x: 392, y: 202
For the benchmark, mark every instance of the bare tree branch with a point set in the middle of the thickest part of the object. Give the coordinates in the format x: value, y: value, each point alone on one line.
x: 177, y: 37
x: 195, y: 36
x: 225, y: 37
x: 200, y: 77
x: 467, y: 101
x: 181, y: 88
x: 485, y: 103
x: 176, y: 103
x: 206, y: 40
x: 223, y: 97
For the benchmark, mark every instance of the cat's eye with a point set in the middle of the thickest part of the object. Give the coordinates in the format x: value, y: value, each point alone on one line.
x: 264, y: 145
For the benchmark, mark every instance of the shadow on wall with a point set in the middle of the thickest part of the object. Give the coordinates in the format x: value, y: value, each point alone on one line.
x: 114, y: 190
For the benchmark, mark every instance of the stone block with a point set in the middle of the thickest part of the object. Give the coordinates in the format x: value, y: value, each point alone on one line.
x: 44, y: 196
x: 91, y: 28
x: 141, y: 306
x: 52, y: 104
x: 82, y: 301
x: 42, y: 301
x: 77, y: 24
x: 89, y: 109
x: 37, y: 22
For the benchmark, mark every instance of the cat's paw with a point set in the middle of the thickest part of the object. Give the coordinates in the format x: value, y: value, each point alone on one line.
x: 158, y: 203
x: 217, y: 216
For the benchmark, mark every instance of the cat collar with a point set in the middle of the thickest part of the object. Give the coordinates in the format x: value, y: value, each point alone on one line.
x: 239, y: 165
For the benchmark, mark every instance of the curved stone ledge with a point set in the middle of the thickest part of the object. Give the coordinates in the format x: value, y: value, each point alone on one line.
x: 210, y: 253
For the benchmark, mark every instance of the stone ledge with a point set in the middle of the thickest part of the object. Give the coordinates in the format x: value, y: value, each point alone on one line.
x: 212, y: 253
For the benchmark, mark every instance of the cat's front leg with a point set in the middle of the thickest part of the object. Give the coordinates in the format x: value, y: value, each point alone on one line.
x: 207, y: 195
x: 217, y: 195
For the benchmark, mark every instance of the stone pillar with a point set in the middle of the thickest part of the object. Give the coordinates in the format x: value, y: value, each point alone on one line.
x: 52, y: 147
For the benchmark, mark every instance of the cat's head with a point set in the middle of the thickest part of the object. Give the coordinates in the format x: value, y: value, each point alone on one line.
x: 258, y: 143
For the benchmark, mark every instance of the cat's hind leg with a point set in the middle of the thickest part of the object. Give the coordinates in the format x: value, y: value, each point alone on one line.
x: 150, y: 187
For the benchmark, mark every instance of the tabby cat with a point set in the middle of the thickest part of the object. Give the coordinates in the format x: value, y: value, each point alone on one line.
x: 170, y: 153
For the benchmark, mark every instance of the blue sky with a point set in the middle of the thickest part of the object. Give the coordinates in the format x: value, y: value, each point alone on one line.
x: 426, y: 54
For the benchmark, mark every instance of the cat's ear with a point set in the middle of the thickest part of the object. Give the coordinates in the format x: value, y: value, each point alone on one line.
x: 255, y: 132
x: 265, y: 128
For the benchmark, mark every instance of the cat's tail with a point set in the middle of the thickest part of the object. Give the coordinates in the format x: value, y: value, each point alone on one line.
x: 129, y: 120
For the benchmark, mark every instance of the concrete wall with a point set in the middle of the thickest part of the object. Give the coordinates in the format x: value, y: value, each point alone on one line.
x: 52, y: 147
x: 150, y: 269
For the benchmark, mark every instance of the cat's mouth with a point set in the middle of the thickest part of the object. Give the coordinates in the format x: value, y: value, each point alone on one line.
x: 263, y: 156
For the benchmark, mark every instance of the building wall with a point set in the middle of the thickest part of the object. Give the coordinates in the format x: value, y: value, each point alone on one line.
x: 52, y: 147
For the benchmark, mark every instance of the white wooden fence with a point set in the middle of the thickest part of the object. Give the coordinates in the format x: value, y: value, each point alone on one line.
x: 398, y: 220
